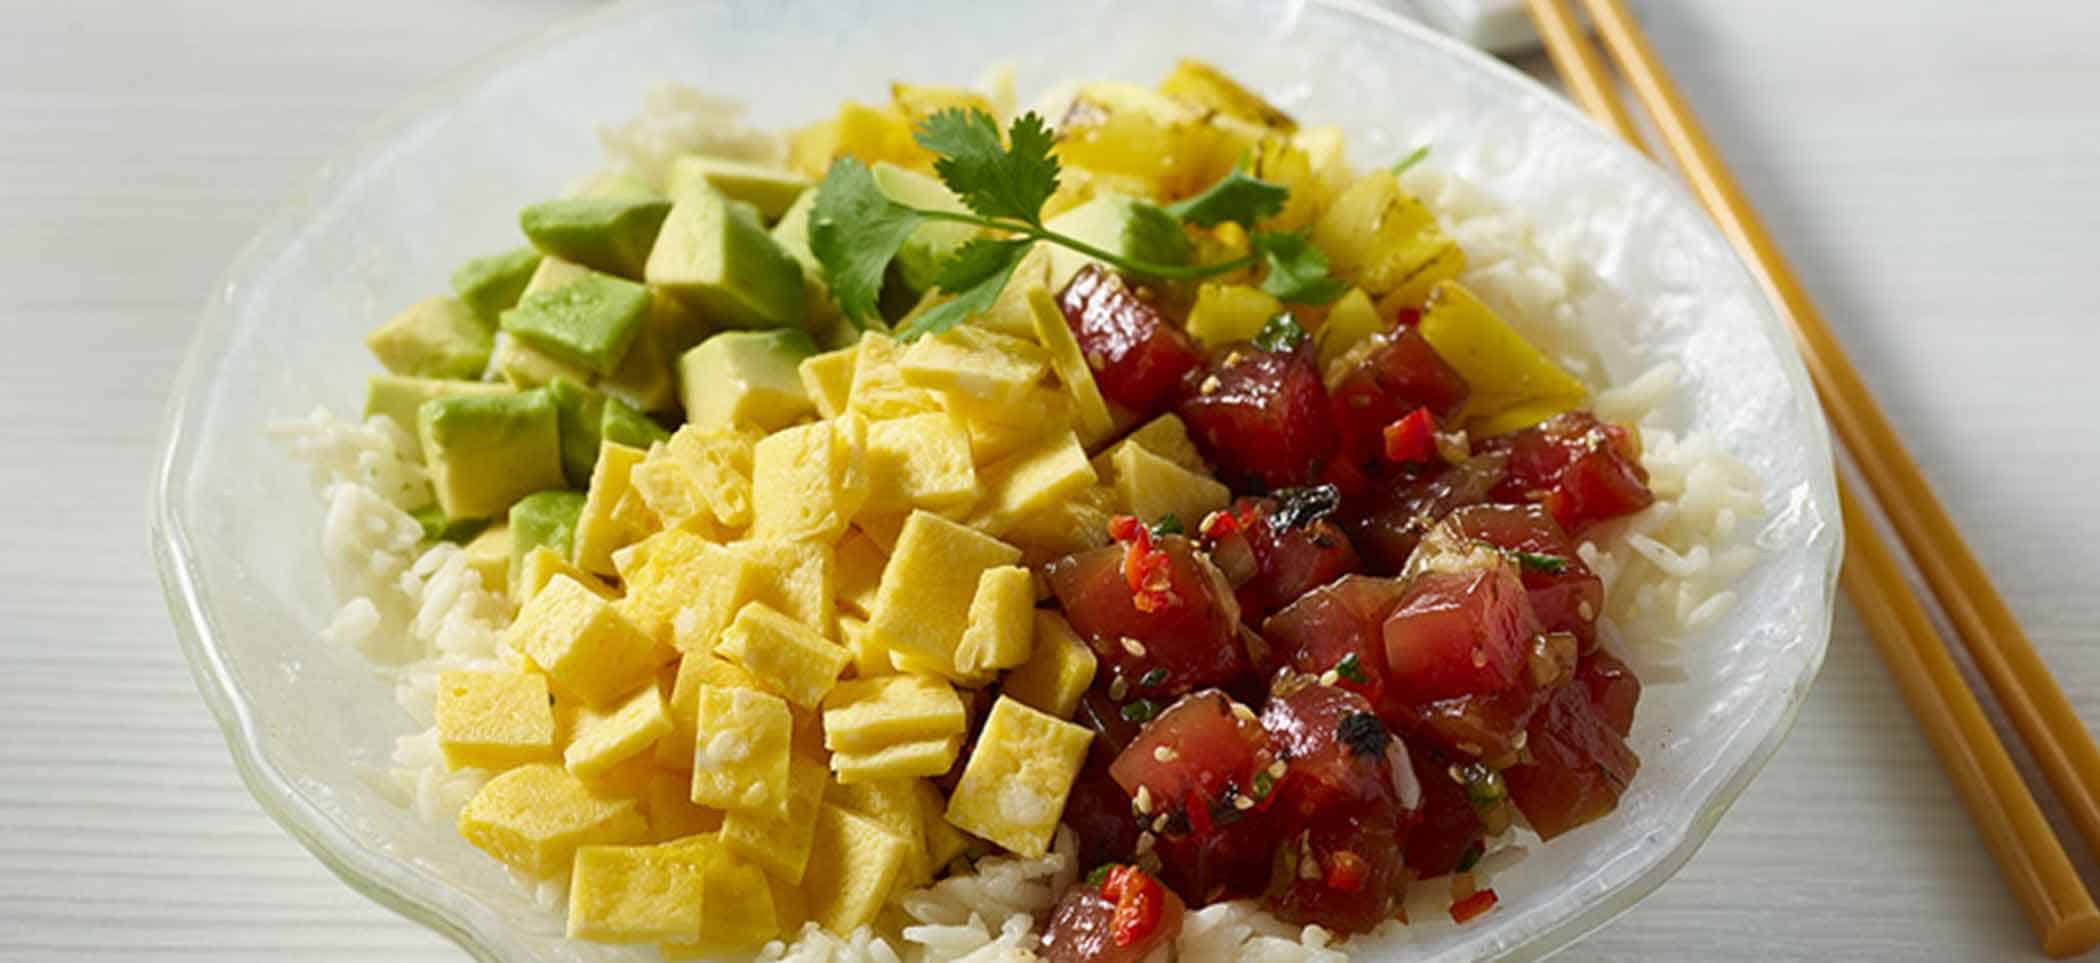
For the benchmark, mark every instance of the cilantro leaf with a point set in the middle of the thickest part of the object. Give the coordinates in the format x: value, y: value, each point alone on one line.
x: 1297, y: 269
x: 1155, y: 236
x: 1352, y: 669
x: 855, y: 230
x: 1540, y: 562
x: 1235, y: 197
x: 1415, y: 157
x: 1280, y: 333
x: 975, y: 275
x: 993, y: 179
x: 1168, y: 524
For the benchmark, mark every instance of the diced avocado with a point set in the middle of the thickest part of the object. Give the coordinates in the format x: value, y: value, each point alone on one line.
x: 918, y: 261
x: 746, y: 377
x: 645, y: 378
x: 437, y: 527
x: 623, y: 425
x: 553, y: 273
x: 770, y: 189
x: 676, y: 326
x: 487, y: 285
x: 487, y: 451
x: 525, y: 367
x: 435, y: 338
x: 614, y: 186
x: 1124, y: 226
x: 398, y: 397
x: 578, y: 410
x: 543, y: 518
x: 722, y: 262
x: 607, y: 234
x: 588, y: 323
x: 791, y: 232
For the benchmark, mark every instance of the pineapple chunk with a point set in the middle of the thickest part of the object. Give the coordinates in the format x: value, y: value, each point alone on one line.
x: 494, y: 720
x: 1504, y: 371
x: 828, y: 378
x: 779, y: 840
x: 905, y: 760
x: 1207, y: 88
x: 997, y: 431
x: 879, y: 390
x: 864, y: 715
x: 1057, y: 672
x: 944, y: 842
x: 871, y: 134
x: 799, y: 579
x: 589, y: 651
x: 598, y: 531
x: 1152, y: 488
x: 920, y: 461
x: 1091, y: 410
x: 1166, y: 436
x: 740, y: 750
x: 803, y: 482
x: 1385, y: 241
x: 685, y: 589
x: 534, y: 817
x: 1352, y: 320
x: 860, y: 563
x: 1009, y: 313
x: 1226, y: 313
x: 634, y: 894
x: 542, y: 564
x: 720, y: 464
x: 1013, y: 789
x: 1001, y: 627
x: 784, y: 655
x: 488, y: 554
x: 977, y: 362
x: 667, y: 801
x: 1032, y: 480
x: 1073, y: 525
x: 853, y: 866
x: 883, y: 528
x: 604, y: 740
x: 735, y: 903
x: 919, y: 102
x: 895, y: 805
x: 928, y: 585
x: 870, y: 659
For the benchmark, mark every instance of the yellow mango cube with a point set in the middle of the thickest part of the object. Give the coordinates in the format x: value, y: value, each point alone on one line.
x: 924, y: 601
x: 1352, y: 321
x: 828, y: 378
x: 1073, y: 525
x: 628, y: 779
x: 740, y: 750
x: 803, y: 482
x: 944, y: 842
x: 786, y: 657
x: 534, y: 817
x: 686, y: 589
x: 997, y: 431
x: 860, y: 564
x: 977, y: 362
x: 1013, y: 788
x: 634, y: 894
x: 790, y: 906
x: 1031, y: 480
x: 863, y: 715
x: 879, y: 390
x: 598, y: 531
x: 667, y: 802
x: 903, y: 760
x: 798, y: 579
x: 854, y: 864
x: 589, y: 651
x: 493, y: 720
x: 1503, y: 370
x: 1058, y: 670
x: 780, y: 839
x: 1226, y: 313
x: 542, y: 564
x: 895, y: 805
x: 488, y: 555
x: 1152, y: 488
x: 1166, y: 436
x: 604, y: 740
x: 1001, y: 626
x: 1090, y: 409
x: 920, y: 461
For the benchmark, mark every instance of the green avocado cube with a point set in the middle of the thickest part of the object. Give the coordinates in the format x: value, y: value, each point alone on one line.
x: 438, y: 527
x: 487, y: 451
x: 791, y: 232
x: 746, y: 377
x: 1125, y: 226
x: 718, y: 258
x: 435, y: 338
x: 613, y: 186
x: 525, y: 367
x: 588, y: 323
x: 553, y: 273
x: 919, y: 259
x: 613, y: 235
x: 577, y: 410
x: 543, y: 518
x: 398, y: 397
x: 645, y: 378
x: 487, y: 285
x: 771, y: 190
x: 622, y: 424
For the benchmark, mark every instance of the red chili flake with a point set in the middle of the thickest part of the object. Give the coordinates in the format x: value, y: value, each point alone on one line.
x: 1140, y: 901
x: 1407, y: 317
x: 1346, y: 871
x: 1412, y: 439
x: 1146, y: 568
x: 1220, y: 524
x: 1467, y: 909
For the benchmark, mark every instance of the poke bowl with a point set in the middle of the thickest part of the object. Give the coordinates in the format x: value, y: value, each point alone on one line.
x: 1715, y: 585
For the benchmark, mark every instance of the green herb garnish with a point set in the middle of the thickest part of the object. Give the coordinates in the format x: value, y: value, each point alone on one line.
x: 1154, y: 679
x: 1099, y: 874
x: 1471, y: 857
x: 1351, y: 668
x: 1141, y: 710
x: 1263, y: 785
x: 1484, y: 786
x: 1536, y: 562
x: 1168, y: 524
x: 1402, y: 165
x: 1299, y: 507
x: 1281, y: 333
x: 856, y: 229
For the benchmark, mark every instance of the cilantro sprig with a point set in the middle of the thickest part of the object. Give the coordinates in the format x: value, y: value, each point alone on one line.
x: 857, y: 229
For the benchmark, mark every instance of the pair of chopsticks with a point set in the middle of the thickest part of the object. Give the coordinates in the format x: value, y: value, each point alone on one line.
x: 2005, y: 812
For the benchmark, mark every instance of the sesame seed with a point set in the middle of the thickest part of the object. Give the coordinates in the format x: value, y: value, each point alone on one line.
x: 1095, y: 360
x: 1586, y: 611
x: 1209, y: 385
x: 1118, y: 688
x: 1134, y: 647
x: 1330, y: 677
x: 1277, y: 769
x: 1523, y: 739
x: 1469, y: 748
x: 1165, y: 754
x: 1243, y: 712
x: 1233, y: 358
x: 1159, y: 823
x: 1143, y: 802
x: 1243, y: 803
x: 1480, y: 657
x: 1457, y: 775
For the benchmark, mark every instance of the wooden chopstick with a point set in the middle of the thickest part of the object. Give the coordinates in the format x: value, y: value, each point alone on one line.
x: 2032, y: 699
x: 2006, y: 814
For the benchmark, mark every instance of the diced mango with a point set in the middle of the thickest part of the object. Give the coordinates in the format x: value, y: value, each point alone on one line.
x: 977, y: 362
x: 997, y: 431
x: 780, y: 839
x: 790, y: 906
x: 799, y: 579
x: 1013, y: 789
x: 786, y: 656
x: 879, y: 390
x: 828, y: 378
x: 1503, y: 370
x: 598, y: 530
x: 494, y: 720
x: 628, y: 779
x: 803, y: 482
x: 1057, y: 672
x: 1073, y: 525
x: 667, y: 802
x: 1166, y: 436
x: 488, y: 554
x: 920, y: 461
x: 894, y: 805
x: 854, y: 864
x: 1152, y: 488
x: 927, y: 587
x: 944, y: 842
x: 534, y: 817
x: 740, y: 750
x: 1091, y: 410
x: 686, y: 589
x: 1352, y: 320
x: 904, y: 760
x: 542, y: 564
x: 720, y: 464
x: 1031, y: 480
x: 863, y: 715
x: 1226, y: 313
x: 634, y: 894
x: 588, y: 650
x: 871, y: 134
x: 860, y: 563
x: 604, y: 740
x: 1001, y: 626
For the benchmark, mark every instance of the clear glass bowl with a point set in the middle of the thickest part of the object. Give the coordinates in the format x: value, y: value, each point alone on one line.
x: 237, y: 534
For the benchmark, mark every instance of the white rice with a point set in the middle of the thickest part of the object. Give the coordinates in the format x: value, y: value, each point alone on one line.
x: 1666, y: 571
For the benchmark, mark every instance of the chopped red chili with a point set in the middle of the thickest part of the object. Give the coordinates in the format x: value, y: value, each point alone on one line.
x: 1140, y: 901
x: 1145, y: 566
x: 1345, y: 872
x: 1467, y: 909
x: 1411, y: 439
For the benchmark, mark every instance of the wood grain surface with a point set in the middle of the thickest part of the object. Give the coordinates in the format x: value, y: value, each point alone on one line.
x: 1930, y: 168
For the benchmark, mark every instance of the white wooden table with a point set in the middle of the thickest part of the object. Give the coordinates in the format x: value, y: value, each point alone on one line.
x: 1930, y: 166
